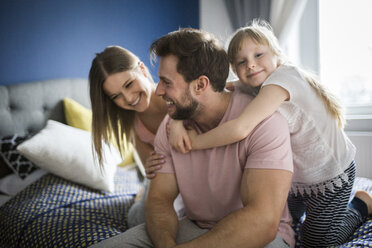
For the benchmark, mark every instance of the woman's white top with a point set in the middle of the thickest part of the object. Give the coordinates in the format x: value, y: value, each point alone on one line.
x: 321, y: 150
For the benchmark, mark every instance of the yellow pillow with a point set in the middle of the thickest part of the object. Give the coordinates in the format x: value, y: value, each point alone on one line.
x: 79, y: 116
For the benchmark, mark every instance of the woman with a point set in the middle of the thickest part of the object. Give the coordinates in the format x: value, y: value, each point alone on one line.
x: 125, y: 108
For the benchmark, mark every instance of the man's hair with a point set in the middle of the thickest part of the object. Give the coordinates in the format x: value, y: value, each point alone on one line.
x: 198, y: 52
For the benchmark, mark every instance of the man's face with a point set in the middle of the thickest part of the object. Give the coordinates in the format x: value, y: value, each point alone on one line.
x: 175, y: 90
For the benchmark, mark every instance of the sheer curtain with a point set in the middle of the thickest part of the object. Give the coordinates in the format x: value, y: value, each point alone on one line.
x: 283, y: 15
x: 241, y: 12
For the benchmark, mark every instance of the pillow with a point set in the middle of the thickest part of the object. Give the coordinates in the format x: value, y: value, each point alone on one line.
x: 67, y: 152
x: 79, y: 116
x: 11, y: 159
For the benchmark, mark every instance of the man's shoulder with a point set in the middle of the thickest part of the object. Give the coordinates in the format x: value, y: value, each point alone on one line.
x: 240, y: 100
x: 240, y: 93
x: 274, y: 125
x: 161, y: 133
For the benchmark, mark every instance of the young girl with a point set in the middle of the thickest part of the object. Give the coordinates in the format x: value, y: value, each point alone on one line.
x: 323, y: 156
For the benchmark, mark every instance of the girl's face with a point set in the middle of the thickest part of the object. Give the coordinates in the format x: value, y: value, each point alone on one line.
x: 131, y: 89
x: 254, y: 63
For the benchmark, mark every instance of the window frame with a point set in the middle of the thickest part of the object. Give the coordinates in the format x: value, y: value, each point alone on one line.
x: 358, y: 117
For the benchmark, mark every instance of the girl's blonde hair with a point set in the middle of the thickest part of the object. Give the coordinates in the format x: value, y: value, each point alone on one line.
x: 110, y: 123
x: 262, y: 33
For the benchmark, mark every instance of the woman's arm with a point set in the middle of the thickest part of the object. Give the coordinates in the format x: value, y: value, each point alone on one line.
x: 262, y: 106
x: 150, y: 159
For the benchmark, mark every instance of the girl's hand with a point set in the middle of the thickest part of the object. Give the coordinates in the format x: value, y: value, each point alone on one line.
x: 153, y: 163
x: 230, y: 86
x: 178, y: 137
x: 192, y: 135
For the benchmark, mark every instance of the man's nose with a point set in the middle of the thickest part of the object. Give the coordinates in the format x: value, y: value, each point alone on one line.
x: 159, y: 91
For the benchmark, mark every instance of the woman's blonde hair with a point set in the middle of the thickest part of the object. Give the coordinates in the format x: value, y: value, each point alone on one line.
x: 110, y: 123
x: 262, y: 33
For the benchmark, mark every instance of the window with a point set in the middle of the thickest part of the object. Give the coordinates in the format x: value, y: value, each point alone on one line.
x: 346, y: 52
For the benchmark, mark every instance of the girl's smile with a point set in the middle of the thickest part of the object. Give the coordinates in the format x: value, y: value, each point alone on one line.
x: 253, y: 74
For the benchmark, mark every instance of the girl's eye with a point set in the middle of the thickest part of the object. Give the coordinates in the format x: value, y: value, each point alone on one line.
x: 259, y: 55
x: 114, y: 97
x: 242, y: 62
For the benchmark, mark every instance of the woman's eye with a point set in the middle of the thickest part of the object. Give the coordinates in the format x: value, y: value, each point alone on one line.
x: 114, y: 97
x: 128, y: 84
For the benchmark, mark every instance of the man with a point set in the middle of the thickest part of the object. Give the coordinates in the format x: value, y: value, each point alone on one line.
x: 235, y: 195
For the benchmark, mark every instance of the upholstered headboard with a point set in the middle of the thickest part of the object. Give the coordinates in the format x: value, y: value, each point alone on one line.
x: 25, y: 107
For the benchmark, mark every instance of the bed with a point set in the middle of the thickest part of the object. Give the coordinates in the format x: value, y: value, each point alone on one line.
x: 52, y: 193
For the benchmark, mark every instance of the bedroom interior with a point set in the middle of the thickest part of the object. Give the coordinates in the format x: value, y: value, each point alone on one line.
x: 52, y: 193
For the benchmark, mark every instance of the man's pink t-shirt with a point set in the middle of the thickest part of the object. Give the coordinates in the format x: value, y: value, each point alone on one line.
x: 209, y: 180
x: 142, y: 132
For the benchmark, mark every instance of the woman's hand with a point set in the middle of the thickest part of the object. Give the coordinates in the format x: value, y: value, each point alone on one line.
x: 178, y: 136
x: 153, y: 163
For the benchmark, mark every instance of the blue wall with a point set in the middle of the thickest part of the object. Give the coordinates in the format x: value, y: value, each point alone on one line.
x: 47, y: 39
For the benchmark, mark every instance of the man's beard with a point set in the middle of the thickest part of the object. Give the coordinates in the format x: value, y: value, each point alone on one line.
x: 185, y: 112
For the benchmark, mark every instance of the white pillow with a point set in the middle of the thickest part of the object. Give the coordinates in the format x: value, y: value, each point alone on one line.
x: 67, y: 152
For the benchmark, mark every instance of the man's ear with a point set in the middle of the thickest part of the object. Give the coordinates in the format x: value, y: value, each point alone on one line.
x: 200, y: 84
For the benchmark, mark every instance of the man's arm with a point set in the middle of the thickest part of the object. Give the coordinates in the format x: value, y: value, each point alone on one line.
x: 264, y: 194
x: 161, y: 219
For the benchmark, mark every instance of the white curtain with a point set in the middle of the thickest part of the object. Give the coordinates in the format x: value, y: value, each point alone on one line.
x: 241, y: 12
x: 285, y: 16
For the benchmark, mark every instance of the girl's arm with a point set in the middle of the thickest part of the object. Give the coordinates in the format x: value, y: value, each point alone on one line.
x: 178, y: 137
x: 230, y: 85
x: 262, y: 106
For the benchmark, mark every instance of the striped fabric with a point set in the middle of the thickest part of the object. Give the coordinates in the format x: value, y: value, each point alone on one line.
x: 54, y: 212
x: 330, y: 223
x: 362, y: 237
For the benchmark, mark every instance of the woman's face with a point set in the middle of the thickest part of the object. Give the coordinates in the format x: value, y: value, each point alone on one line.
x: 131, y: 89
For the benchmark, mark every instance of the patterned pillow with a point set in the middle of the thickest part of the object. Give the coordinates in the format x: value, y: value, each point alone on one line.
x: 9, y: 156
